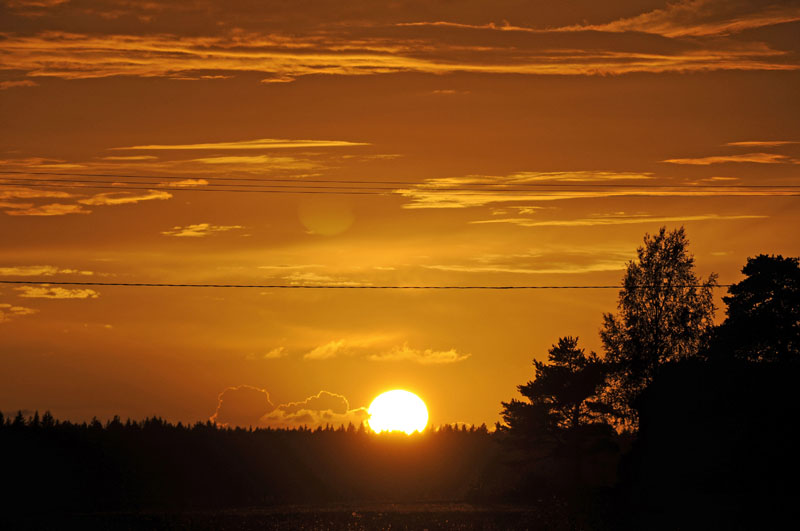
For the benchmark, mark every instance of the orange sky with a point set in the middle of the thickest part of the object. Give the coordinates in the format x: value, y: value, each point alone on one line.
x: 433, y: 95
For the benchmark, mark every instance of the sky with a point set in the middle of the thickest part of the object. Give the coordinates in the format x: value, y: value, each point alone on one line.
x: 483, y: 143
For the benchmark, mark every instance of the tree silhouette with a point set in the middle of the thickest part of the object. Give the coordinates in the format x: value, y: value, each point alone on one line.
x: 662, y: 315
x: 559, y: 430
x: 563, y: 392
x: 763, y: 321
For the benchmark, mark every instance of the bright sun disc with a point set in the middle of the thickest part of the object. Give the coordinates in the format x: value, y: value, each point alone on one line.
x: 398, y: 410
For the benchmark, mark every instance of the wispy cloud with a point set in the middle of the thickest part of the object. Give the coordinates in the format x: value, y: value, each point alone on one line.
x: 423, y: 357
x: 275, y: 353
x: 30, y: 193
x: 9, y: 311
x: 186, y: 183
x: 329, y: 350
x: 563, y: 268
x: 263, y: 162
x: 5, y: 85
x: 282, y: 59
x: 40, y: 271
x: 50, y: 209
x: 348, y: 346
x: 699, y: 18
x: 531, y: 187
x: 124, y: 198
x: 260, y: 143
x: 764, y: 143
x: 130, y: 158
x: 755, y: 158
x: 615, y: 220
x: 55, y: 292
x: 272, y: 354
x: 199, y: 230
x: 310, y: 278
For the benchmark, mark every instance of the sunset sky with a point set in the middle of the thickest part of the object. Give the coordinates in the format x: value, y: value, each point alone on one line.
x: 419, y: 105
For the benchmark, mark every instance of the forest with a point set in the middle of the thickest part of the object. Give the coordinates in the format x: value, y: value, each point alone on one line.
x: 679, y: 423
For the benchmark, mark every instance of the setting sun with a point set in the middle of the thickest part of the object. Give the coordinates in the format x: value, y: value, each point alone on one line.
x: 398, y: 410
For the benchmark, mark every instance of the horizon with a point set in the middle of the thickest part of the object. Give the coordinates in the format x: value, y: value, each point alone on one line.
x: 348, y: 149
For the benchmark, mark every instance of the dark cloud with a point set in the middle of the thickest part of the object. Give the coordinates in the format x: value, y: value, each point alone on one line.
x: 242, y: 405
x: 322, y: 401
x: 247, y: 406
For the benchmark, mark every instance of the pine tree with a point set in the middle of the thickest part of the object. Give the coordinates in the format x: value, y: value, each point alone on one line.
x: 563, y: 393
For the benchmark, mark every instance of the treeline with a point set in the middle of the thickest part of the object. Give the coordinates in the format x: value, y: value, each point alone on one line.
x: 156, y: 465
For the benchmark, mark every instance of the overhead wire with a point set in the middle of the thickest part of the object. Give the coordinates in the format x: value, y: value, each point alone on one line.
x: 429, y: 185
x: 346, y: 286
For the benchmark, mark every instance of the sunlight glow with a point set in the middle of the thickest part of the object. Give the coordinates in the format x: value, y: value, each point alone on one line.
x: 398, y: 410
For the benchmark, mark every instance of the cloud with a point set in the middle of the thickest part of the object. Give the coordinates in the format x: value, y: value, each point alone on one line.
x: 185, y: 183
x: 5, y: 85
x: 350, y: 346
x: 763, y: 143
x: 243, y: 405
x: 51, y: 209
x: 356, y: 50
x: 30, y: 193
x: 324, y: 408
x: 39, y: 271
x: 277, y: 352
x: 16, y: 4
x: 273, y: 354
x: 9, y: 311
x: 322, y: 401
x: 423, y: 357
x: 261, y: 143
x: 246, y: 406
x: 479, y: 190
x: 449, y: 92
x: 329, y: 350
x: 61, y: 209
x: 199, y: 230
x: 756, y: 158
x: 130, y: 158
x: 702, y: 18
x: 614, y: 220
x: 309, y: 278
x: 124, y: 198
x: 55, y: 292
x: 476, y: 191
x: 20, y: 206
x: 563, y: 268
x: 263, y: 162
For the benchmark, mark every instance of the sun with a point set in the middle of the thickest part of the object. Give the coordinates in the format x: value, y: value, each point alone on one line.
x: 398, y: 410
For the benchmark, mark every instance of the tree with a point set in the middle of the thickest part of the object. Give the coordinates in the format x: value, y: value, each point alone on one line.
x: 564, y: 442
x: 664, y: 314
x: 763, y: 315
x: 562, y: 394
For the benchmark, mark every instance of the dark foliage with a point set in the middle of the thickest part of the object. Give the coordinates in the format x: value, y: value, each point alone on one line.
x: 558, y: 435
x: 662, y: 316
x: 156, y: 465
x: 763, y: 316
x: 716, y: 448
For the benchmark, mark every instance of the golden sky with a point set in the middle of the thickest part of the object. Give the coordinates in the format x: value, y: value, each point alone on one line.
x: 449, y: 115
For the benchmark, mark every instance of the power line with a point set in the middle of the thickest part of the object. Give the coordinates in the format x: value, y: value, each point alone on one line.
x: 184, y: 189
x: 337, y: 286
x: 340, y: 190
x: 433, y: 186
